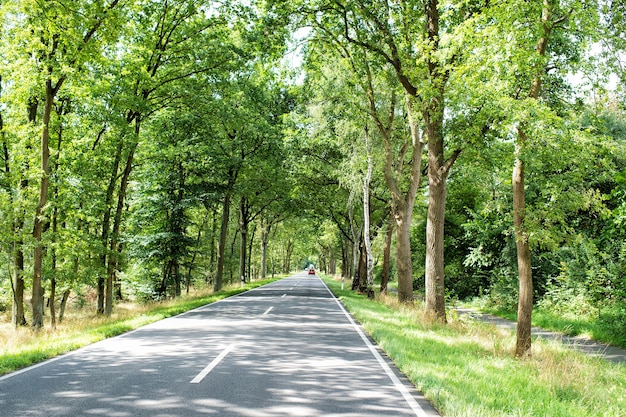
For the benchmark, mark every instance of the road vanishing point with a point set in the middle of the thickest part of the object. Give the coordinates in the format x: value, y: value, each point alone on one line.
x: 288, y: 348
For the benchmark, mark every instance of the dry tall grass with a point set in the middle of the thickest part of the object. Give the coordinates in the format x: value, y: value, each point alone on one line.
x: 76, y: 321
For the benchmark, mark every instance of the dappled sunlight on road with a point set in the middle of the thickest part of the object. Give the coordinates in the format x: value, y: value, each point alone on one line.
x: 280, y: 350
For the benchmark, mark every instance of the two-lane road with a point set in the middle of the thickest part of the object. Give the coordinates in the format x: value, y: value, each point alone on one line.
x: 284, y: 349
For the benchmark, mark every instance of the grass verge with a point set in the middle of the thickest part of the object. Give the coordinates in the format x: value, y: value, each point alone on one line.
x: 466, y: 368
x: 23, y: 347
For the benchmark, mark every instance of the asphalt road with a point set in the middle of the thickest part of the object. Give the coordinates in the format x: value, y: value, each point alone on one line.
x: 284, y: 349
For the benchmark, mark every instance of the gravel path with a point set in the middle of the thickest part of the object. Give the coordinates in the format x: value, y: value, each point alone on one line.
x: 590, y: 347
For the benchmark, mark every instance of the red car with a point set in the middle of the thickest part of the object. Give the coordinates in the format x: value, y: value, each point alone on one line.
x: 311, y: 271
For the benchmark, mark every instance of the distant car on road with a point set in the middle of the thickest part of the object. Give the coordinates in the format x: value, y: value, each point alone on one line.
x: 311, y: 271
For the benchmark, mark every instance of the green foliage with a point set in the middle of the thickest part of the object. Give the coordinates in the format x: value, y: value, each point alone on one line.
x: 572, y: 200
x: 191, y: 98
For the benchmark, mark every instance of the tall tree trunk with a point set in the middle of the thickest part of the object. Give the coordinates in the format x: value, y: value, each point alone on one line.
x: 362, y: 270
x: 356, y: 235
x: 366, y: 220
x: 18, y: 316
x: 17, y: 280
x: 288, y: 253
x: 250, y: 248
x: 243, y: 227
x: 38, y: 224
x: 332, y: 262
x: 51, y: 302
x: 435, y: 286
x: 438, y: 171
x: 384, y: 281
x: 66, y: 296
x: 403, y: 203
x: 106, y: 226
x: 195, y: 252
x: 525, y: 303
x: 345, y: 259
x: 265, y: 237
x: 55, y: 219
x: 177, y: 279
x: 100, y: 291
x: 346, y: 272
x: 221, y: 245
x: 115, y: 247
x: 403, y: 254
x: 53, y: 267
x: 212, y: 250
x: 524, y: 270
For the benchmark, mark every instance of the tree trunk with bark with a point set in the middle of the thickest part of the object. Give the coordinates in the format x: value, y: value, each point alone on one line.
x: 524, y: 268
x: 265, y: 237
x: 243, y: 227
x: 51, y: 303
x: 438, y: 171
x: 403, y: 203
x: 287, y: 260
x: 106, y: 225
x: 384, y: 281
x: 221, y: 245
x: 40, y: 220
x: 525, y: 304
x: 66, y: 296
x: 369, y: 267
x: 356, y: 235
x: 18, y: 317
x: 213, y: 248
x: 251, y: 273
x: 437, y: 176
x: 115, y: 248
x: 360, y: 283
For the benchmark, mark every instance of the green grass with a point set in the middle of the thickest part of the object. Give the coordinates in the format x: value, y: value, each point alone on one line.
x: 608, y: 327
x: 467, y: 369
x: 24, y: 347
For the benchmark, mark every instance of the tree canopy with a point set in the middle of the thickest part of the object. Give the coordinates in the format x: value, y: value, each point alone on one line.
x: 456, y: 149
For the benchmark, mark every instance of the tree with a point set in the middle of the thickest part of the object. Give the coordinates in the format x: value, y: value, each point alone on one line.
x: 14, y: 226
x: 528, y: 83
x: 363, y: 34
x: 177, y: 41
x: 552, y: 17
x: 61, y: 43
x: 366, y: 215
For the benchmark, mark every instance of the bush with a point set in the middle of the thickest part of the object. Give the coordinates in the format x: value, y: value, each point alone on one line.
x: 564, y: 300
x: 503, y: 293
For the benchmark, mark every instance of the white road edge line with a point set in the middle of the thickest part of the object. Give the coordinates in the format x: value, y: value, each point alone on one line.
x: 417, y: 409
x: 210, y: 366
x: 268, y: 311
